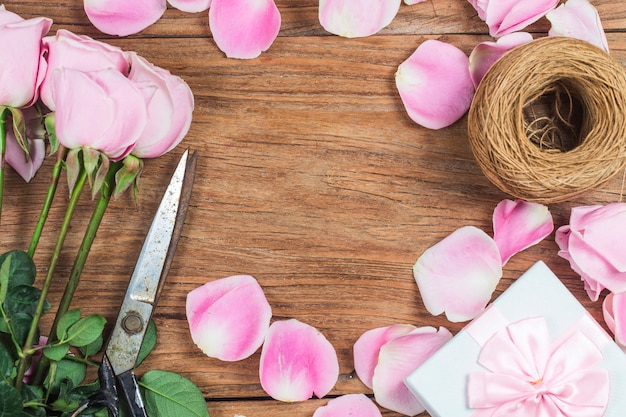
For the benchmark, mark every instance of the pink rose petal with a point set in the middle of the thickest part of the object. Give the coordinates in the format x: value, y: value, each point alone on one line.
x: 15, y: 157
x: 485, y: 54
x: 459, y: 274
x: 357, y: 405
x: 518, y: 225
x: 614, y: 310
x: 228, y: 318
x: 123, y: 17
x: 244, y: 28
x: 356, y: 18
x: 435, y: 85
x: 508, y: 16
x: 190, y: 6
x: 412, y: 2
x: 297, y: 361
x: 367, y: 349
x: 398, y: 358
x: 578, y: 19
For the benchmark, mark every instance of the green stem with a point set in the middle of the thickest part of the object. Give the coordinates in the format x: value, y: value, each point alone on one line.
x: 25, y: 358
x: 79, y: 263
x: 54, y: 182
x: 3, y: 145
x: 90, y: 234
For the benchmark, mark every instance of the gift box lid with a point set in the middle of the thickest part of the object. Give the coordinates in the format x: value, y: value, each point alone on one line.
x: 441, y: 382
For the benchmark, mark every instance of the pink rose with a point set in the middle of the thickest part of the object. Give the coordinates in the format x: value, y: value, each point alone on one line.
x: 22, y: 66
x: 68, y: 50
x: 169, y: 102
x: 594, y: 243
x: 101, y: 110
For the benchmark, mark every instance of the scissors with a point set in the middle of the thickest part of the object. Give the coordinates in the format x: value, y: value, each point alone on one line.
x: 117, y: 367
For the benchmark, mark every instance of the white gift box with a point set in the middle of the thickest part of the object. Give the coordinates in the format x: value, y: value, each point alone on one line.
x: 441, y: 382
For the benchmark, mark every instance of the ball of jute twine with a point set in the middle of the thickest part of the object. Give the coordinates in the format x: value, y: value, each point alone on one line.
x: 548, y: 121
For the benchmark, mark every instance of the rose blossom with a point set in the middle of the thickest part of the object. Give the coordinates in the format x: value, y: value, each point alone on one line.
x: 22, y: 66
x: 169, y: 102
x: 80, y: 52
x: 101, y: 110
x: 594, y: 243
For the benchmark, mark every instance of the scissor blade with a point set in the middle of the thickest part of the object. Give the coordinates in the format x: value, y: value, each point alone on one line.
x: 151, y: 268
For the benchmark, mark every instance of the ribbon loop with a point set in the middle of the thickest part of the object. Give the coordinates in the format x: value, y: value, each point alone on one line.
x: 531, y: 375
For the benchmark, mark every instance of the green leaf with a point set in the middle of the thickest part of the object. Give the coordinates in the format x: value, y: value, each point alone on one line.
x: 86, y: 330
x: 93, y: 347
x: 10, y: 400
x: 68, y: 319
x: 32, y: 393
x: 34, y: 412
x: 56, y: 352
x: 7, y: 362
x: 21, y: 299
x: 171, y: 395
x: 4, y: 277
x: 149, y: 342
x: 21, y: 268
x: 64, y: 369
x: 20, y: 324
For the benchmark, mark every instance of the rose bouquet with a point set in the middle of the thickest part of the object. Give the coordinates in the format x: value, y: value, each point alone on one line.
x: 100, y: 111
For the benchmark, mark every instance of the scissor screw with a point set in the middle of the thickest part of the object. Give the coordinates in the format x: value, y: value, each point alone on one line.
x: 132, y: 323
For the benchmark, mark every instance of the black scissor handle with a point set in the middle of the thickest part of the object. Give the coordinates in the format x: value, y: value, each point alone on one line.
x: 128, y: 384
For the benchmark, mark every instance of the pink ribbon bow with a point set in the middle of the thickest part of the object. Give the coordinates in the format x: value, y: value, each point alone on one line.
x: 532, y: 376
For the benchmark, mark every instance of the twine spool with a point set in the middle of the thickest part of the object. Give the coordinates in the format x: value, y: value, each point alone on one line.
x: 548, y: 121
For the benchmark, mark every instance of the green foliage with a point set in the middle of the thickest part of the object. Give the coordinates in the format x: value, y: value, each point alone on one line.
x: 171, y: 395
x: 10, y: 400
x: 149, y: 342
x: 67, y: 355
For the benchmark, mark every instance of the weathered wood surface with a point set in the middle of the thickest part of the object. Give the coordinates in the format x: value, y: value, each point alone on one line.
x: 312, y: 178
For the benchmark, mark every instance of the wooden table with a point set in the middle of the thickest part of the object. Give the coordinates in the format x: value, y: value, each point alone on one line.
x: 312, y: 178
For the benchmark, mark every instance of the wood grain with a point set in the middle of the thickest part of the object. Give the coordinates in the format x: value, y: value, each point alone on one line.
x: 312, y: 178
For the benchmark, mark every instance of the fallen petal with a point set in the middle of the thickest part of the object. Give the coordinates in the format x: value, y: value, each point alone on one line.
x: 435, y: 85
x: 356, y: 18
x: 229, y: 317
x: 578, y: 19
x: 357, y: 405
x: 398, y: 358
x: 508, y: 16
x: 412, y: 2
x: 367, y: 348
x: 485, y: 54
x: 459, y: 274
x: 614, y: 311
x: 297, y: 361
x: 244, y: 28
x: 190, y: 6
x: 518, y: 225
x: 123, y: 17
